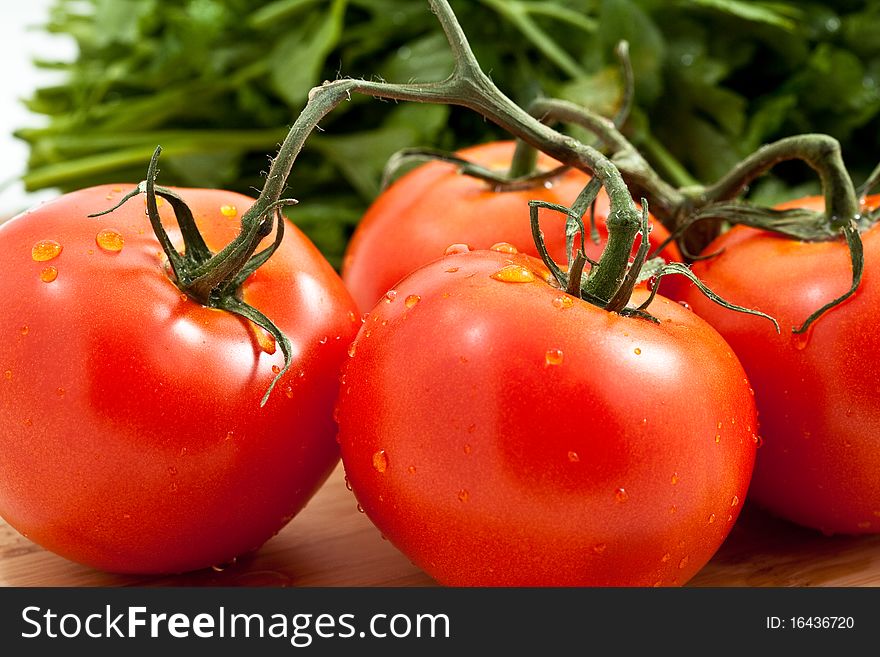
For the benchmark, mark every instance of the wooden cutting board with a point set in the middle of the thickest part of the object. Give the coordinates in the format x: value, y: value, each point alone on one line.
x: 331, y: 544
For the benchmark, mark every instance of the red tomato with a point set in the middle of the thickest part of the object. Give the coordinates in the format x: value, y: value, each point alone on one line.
x: 131, y: 433
x: 818, y: 394
x: 421, y: 214
x: 504, y: 433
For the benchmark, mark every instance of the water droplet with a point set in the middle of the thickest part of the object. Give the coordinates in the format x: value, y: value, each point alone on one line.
x: 228, y: 210
x: 25, y: 330
x: 390, y: 296
x: 451, y: 270
x: 8, y: 375
x: 666, y: 557
x: 48, y: 274
x: 573, y: 457
x: 683, y: 562
x: 553, y: 357
x: 230, y: 435
x: 172, y: 471
x: 658, y: 584
x: 60, y: 392
x: 360, y: 509
x: 456, y: 249
x: 411, y: 469
x: 711, y: 518
x: 673, y: 509
x: 463, y: 495
x: 323, y: 340
x: 504, y: 247
x: 599, y: 548
x: 220, y: 567
x: 685, y: 304
x: 719, y: 424
x: 563, y: 302
x: 637, y: 351
x: 352, y: 316
x: 45, y: 250
x: 276, y: 369
x: 467, y: 449
x: 110, y: 239
x: 514, y: 274
x: 412, y: 300
x: 352, y: 349
x: 735, y: 500
x: 674, y: 478
x: 621, y: 495
x: 471, y: 428
x: 347, y: 483
x: 380, y: 461
x: 548, y: 184
x: 288, y: 390
x: 759, y: 442
x: 717, y: 437
x: 173, y: 487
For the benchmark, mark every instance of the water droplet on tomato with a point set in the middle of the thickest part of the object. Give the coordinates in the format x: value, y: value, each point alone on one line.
x: 172, y: 488
x: 548, y: 184
x: 390, y: 296
x: 467, y: 449
x: 674, y: 478
x: 360, y: 509
x: 228, y: 210
x: 599, y: 548
x: 25, y: 330
x: 276, y: 369
x: 411, y: 469
x: 514, y: 274
x: 347, y: 483
x: 8, y: 375
x: 719, y: 424
x: 553, y: 357
x: 451, y: 270
x: 60, y: 392
x: 683, y: 562
x: 684, y: 304
x: 759, y: 442
x: 352, y: 316
x: 471, y: 428
x: 412, y: 300
x: 563, y: 302
x: 504, y: 247
x: 323, y: 340
x: 666, y: 557
x: 637, y: 351
x: 288, y: 390
x: 352, y: 349
x: 800, y: 340
x: 717, y: 437
x: 463, y: 495
x: 456, y: 249
x: 735, y: 500
x: 229, y: 435
x: 220, y: 567
x: 673, y: 509
x: 711, y: 518
x: 172, y: 471
x: 658, y: 584
x: 380, y: 461
x: 110, y: 239
x: 573, y: 457
x: 621, y: 495
x: 45, y: 250
x: 48, y: 274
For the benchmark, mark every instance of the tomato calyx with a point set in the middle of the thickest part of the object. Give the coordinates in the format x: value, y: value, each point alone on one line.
x: 640, y: 268
x: 215, y: 279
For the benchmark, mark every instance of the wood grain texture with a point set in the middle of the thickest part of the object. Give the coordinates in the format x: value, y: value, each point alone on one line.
x: 331, y: 544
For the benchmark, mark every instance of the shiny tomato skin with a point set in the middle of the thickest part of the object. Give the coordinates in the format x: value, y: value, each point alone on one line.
x: 413, y: 222
x: 131, y: 433
x: 505, y: 434
x: 818, y: 394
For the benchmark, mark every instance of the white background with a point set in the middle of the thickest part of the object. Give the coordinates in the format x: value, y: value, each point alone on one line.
x: 20, y: 40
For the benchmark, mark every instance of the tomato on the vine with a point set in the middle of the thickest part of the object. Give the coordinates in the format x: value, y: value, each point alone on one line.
x: 413, y: 222
x: 818, y: 393
x: 500, y: 432
x: 132, y: 437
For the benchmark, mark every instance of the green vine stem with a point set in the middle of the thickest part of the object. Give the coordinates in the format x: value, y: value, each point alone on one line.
x: 470, y: 87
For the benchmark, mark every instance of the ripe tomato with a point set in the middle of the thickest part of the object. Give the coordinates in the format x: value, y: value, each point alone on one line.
x: 818, y: 394
x: 421, y: 214
x: 131, y: 433
x: 504, y: 433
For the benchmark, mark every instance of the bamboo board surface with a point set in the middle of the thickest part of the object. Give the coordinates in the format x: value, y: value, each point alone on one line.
x: 331, y: 544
